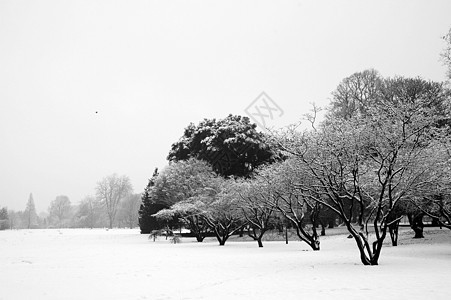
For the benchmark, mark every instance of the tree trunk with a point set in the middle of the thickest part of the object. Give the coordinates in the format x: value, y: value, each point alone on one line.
x: 369, y: 256
x: 286, y: 235
x: 221, y: 236
x: 393, y: 229
x: 257, y: 237
x: 199, y: 235
x: 435, y: 222
x: 323, y: 228
x: 377, y: 248
x: 331, y: 223
x: 362, y: 246
x: 418, y: 232
x: 315, y: 245
x: 416, y: 223
x: 221, y: 241
x: 310, y: 239
x: 241, y: 232
x: 280, y: 227
x: 200, y: 238
x: 197, y: 228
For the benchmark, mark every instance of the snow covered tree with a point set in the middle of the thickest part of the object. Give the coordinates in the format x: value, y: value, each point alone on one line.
x: 232, y: 146
x: 279, y: 189
x: 110, y: 191
x: 373, y: 162
x: 190, y: 212
x: 221, y: 211
x: 434, y: 199
x: 365, y: 92
x: 177, y: 186
x: 201, y: 198
x: 253, y: 201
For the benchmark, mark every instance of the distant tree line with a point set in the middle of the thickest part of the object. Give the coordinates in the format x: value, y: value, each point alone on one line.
x: 114, y: 205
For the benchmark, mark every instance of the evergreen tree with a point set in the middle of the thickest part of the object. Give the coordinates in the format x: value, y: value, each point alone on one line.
x: 30, y: 213
x: 4, y: 213
x: 232, y: 146
x: 4, y: 222
x: 150, y: 206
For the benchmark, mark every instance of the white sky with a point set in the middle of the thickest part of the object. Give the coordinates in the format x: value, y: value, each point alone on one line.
x: 151, y: 67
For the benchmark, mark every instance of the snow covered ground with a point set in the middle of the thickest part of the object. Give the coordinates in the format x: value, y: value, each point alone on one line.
x: 122, y: 264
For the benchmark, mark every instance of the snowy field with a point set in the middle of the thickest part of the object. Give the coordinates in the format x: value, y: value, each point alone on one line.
x: 122, y: 264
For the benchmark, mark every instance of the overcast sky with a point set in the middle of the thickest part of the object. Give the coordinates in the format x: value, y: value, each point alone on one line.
x: 149, y: 68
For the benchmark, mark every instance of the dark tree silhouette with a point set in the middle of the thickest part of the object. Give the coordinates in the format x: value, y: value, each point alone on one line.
x: 149, y: 207
x: 232, y: 146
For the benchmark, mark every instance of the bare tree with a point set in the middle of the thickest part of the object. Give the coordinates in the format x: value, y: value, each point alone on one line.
x: 60, y: 209
x: 446, y: 54
x: 354, y: 94
x: 110, y: 191
x: 13, y: 219
x: 129, y: 210
x: 89, y: 213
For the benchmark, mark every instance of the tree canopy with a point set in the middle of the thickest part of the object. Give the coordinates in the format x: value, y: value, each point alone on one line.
x: 60, y: 209
x: 232, y: 146
x: 446, y: 54
x: 110, y: 191
x: 383, y: 151
x: 362, y: 93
